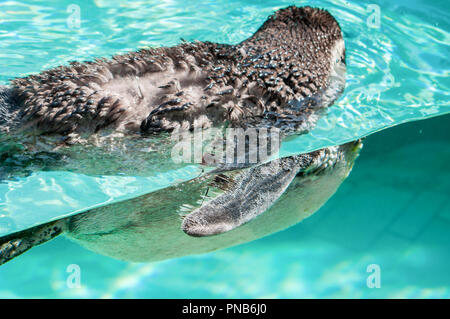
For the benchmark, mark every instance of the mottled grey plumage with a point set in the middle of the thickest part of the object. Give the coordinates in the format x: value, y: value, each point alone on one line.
x: 7, y: 107
x: 291, y: 67
x: 277, y: 77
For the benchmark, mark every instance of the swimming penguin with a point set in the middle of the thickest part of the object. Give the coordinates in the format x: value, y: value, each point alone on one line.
x: 292, y: 65
x: 281, y: 77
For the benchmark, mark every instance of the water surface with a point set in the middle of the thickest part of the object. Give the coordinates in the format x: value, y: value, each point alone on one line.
x: 397, y: 71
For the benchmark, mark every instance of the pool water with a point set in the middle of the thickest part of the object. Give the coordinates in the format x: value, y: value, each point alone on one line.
x: 393, y: 211
x: 397, y: 71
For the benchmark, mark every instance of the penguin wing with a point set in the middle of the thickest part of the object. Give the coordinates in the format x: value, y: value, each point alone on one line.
x: 252, y: 192
x: 16, y: 244
x: 135, y: 91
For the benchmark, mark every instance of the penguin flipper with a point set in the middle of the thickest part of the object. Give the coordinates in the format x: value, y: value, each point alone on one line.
x: 252, y: 193
x: 16, y: 244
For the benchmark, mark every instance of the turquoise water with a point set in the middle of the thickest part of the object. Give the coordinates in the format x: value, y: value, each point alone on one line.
x: 393, y: 211
x: 397, y: 72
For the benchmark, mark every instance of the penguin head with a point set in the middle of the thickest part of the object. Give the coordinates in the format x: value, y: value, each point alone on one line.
x: 311, y: 33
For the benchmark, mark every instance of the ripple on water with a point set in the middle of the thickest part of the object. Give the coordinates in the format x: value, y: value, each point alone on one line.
x: 396, y: 73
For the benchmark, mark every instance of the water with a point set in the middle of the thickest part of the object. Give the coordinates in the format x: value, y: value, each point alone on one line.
x: 389, y: 80
x: 397, y: 72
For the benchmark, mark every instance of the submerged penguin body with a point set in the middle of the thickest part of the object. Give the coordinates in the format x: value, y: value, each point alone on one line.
x: 292, y: 67
x: 204, y: 214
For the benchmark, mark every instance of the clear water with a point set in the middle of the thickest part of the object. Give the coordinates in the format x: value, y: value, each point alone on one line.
x: 397, y: 72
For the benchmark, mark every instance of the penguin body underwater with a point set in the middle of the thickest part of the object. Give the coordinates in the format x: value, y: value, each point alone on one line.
x: 283, y: 76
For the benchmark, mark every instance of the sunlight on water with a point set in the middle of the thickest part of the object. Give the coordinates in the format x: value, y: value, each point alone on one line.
x: 397, y: 71
x: 389, y: 80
